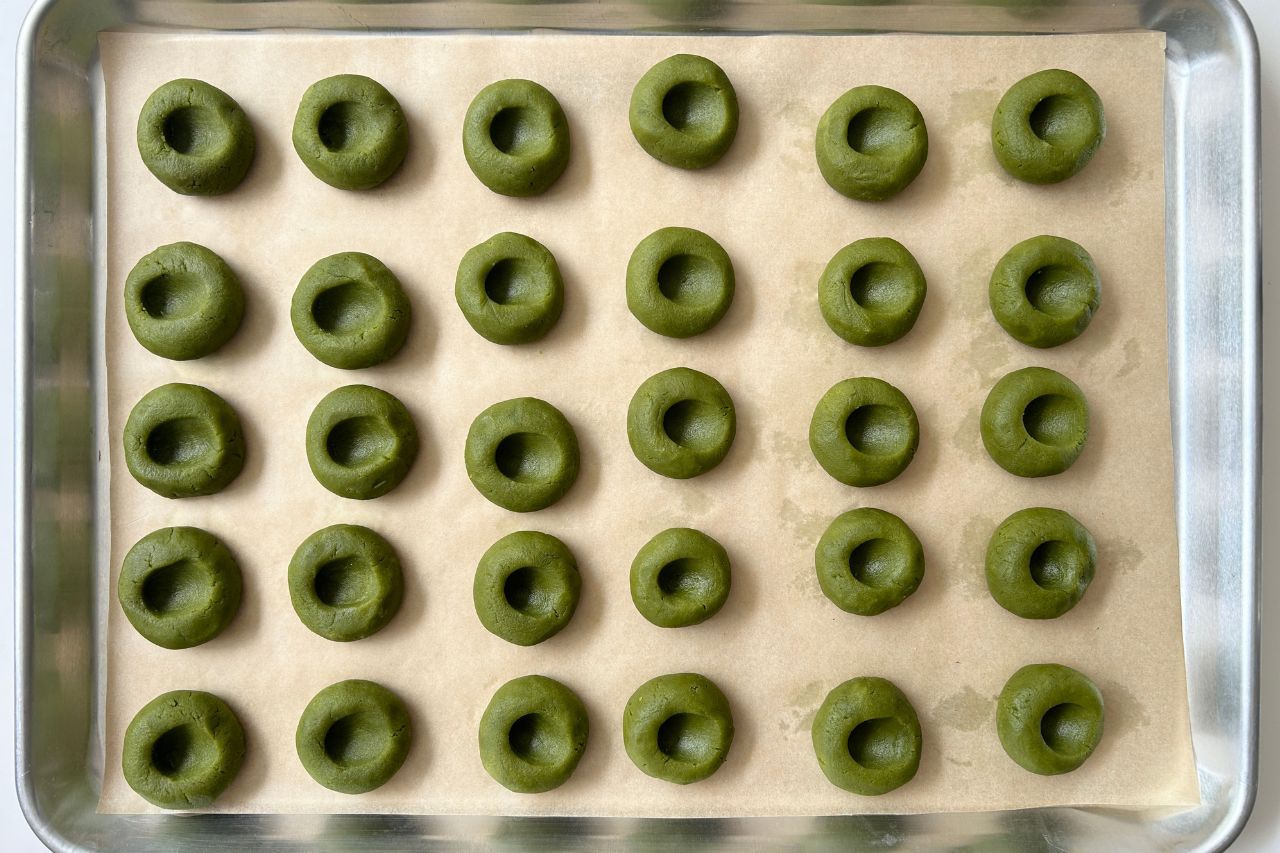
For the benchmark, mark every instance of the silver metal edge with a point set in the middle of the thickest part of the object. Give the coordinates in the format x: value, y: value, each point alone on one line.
x: 22, y: 416
x: 1246, y: 38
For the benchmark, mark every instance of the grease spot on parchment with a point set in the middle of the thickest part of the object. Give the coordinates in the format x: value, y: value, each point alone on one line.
x: 1137, y: 170
x: 792, y: 449
x: 970, y: 299
x: 798, y: 157
x: 1132, y: 358
x: 987, y: 356
x: 973, y: 106
x: 970, y: 560
x: 803, y: 524
x: 806, y: 527
x: 968, y: 109
x: 1122, y: 709
x: 695, y: 504
x: 981, y: 164
x: 804, y: 583
x: 968, y: 435
x: 966, y: 711
x: 801, y: 310
x: 798, y: 122
x: 1122, y: 555
x: 802, y: 707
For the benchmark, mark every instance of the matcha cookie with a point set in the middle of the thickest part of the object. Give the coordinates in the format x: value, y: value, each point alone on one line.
x: 532, y: 734
x: 871, y: 292
x: 1047, y: 127
x: 345, y: 582
x: 869, y: 561
x: 867, y: 737
x: 681, y: 423
x: 1049, y: 718
x: 678, y: 727
x: 182, y: 441
x: 679, y: 578
x: 522, y: 454
x: 179, y: 587
x: 350, y: 132
x: 509, y: 289
x: 1040, y: 562
x: 182, y: 750
x: 864, y: 432
x: 684, y: 112
x: 361, y: 442
x: 526, y: 587
x: 354, y: 736
x: 515, y: 138
x: 871, y: 143
x: 1045, y: 291
x: 1035, y: 422
x: 182, y: 301
x: 195, y: 138
x: 679, y: 282
x: 350, y: 311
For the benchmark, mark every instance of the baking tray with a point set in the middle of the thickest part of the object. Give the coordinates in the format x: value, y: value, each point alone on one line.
x: 1211, y: 150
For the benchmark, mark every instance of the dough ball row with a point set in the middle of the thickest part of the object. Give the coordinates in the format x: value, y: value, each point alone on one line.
x: 351, y: 133
x: 185, y: 747
x: 183, y: 440
x: 350, y: 311
x: 180, y: 587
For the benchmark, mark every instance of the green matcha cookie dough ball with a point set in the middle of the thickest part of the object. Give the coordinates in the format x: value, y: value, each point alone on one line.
x: 354, y: 736
x: 869, y: 561
x: 515, y: 138
x: 1047, y: 127
x: 678, y: 727
x: 1035, y: 422
x: 350, y: 132
x: 532, y: 734
x: 1044, y: 291
x: 182, y: 301
x: 361, y: 442
x: 195, y: 138
x: 345, y: 582
x: 1040, y: 562
x: 350, y: 311
x: 681, y: 423
x: 182, y: 750
x: 867, y: 737
x: 522, y: 454
x: 182, y: 441
x: 526, y: 587
x: 684, y: 112
x: 679, y: 282
x: 679, y: 578
x: 864, y: 432
x: 179, y: 587
x: 509, y: 288
x: 871, y: 143
x: 871, y: 292
x: 1049, y: 718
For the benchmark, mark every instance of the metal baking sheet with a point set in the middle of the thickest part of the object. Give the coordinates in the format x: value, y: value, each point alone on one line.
x: 1211, y: 156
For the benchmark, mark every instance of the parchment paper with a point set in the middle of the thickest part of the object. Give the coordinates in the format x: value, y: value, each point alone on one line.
x: 779, y: 645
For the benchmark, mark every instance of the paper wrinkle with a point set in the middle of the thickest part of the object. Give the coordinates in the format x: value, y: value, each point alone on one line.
x: 778, y: 645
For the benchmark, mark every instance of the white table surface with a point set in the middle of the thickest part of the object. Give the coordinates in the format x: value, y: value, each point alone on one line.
x: 1263, y: 831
